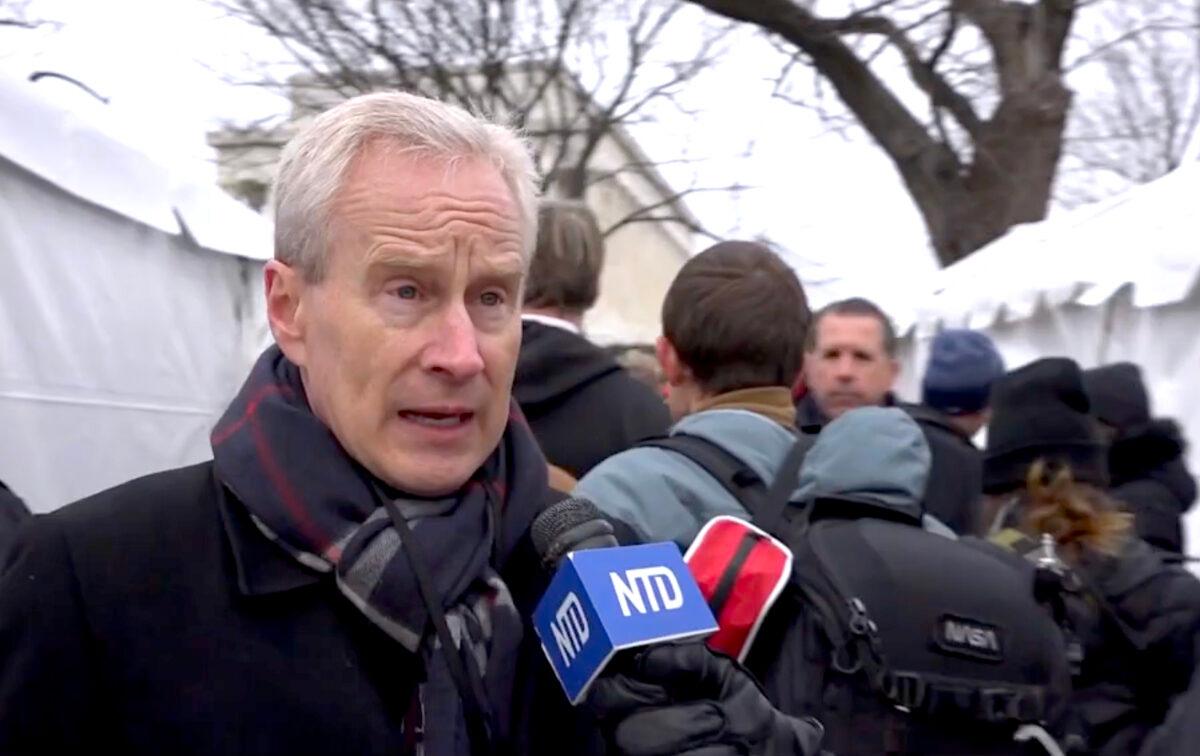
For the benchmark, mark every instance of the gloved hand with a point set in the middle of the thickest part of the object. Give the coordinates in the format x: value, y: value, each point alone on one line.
x: 684, y: 699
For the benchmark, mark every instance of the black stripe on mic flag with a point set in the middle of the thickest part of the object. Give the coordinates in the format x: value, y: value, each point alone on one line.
x: 725, y: 586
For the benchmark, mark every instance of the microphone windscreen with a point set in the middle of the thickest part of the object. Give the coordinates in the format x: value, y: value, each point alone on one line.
x: 559, y: 518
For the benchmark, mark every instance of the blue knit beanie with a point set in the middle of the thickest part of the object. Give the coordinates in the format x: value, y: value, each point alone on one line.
x: 962, y: 367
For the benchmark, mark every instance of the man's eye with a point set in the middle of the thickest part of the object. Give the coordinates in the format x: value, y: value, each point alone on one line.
x: 407, y: 291
x: 491, y: 299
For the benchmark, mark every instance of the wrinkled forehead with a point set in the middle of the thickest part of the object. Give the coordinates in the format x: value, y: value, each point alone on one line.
x: 396, y: 206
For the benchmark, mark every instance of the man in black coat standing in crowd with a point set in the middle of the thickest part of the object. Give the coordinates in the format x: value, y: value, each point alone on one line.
x: 1145, y: 457
x: 582, y: 406
x: 954, y: 407
x: 352, y: 572
x: 851, y: 362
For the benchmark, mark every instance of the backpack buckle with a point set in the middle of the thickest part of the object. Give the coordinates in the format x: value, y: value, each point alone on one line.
x: 846, y: 660
x: 860, y: 622
x: 1008, y: 705
x: 907, y: 690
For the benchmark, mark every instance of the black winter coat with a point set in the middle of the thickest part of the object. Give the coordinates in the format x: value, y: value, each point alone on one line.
x: 1139, y: 625
x: 955, y: 485
x: 1178, y: 735
x: 12, y: 513
x: 582, y: 406
x: 1149, y: 476
x: 155, y: 618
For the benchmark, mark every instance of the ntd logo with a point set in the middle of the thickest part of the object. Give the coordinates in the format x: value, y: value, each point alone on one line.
x: 570, y: 628
x: 646, y: 586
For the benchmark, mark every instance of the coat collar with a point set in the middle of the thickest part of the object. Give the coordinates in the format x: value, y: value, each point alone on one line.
x: 927, y: 415
x: 772, y: 402
x: 263, y: 568
x: 810, y: 419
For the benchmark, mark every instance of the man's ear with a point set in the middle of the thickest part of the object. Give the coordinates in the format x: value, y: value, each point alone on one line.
x: 673, y: 369
x: 895, y: 365
x: 284, y: 286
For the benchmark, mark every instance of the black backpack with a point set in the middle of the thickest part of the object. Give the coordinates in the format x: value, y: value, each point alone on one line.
x: 898, y: 640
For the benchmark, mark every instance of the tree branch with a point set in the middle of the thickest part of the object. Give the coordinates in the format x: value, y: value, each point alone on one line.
x: 879, y: 110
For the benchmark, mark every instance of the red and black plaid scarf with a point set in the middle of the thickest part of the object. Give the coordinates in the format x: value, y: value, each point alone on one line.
x: 305, y: 492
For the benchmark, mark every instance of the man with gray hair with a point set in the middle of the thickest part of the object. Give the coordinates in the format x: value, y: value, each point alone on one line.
x: 352, y: 571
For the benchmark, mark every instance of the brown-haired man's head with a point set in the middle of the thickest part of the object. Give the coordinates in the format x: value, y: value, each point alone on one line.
x: 735, y: 317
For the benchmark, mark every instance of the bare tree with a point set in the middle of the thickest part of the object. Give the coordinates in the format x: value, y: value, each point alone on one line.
x: 978, y: 138
x: 1134, y: 120
x: 571, y: 73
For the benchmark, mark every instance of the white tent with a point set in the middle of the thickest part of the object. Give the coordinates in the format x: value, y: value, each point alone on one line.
x: 129, y: 304
x: 1110, y: 282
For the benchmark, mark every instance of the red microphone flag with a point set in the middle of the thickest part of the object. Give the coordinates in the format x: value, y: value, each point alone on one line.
x: 741, y: 571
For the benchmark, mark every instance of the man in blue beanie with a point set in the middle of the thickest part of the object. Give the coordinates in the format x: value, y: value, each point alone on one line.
x: 954, y: 394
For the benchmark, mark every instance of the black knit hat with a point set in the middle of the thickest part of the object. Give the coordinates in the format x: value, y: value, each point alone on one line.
x: 1118, y: 395
x: 1042, y: 412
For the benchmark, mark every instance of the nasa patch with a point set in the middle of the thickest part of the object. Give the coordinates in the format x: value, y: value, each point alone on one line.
x: 967, y: 637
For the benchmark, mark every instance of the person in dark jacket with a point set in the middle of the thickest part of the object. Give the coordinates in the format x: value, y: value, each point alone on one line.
x: 866, y: 474
x: 954, y: 407
x: 582, y: 405
x: 13, y: 512
x: 849, y: 362
x: 1135, y: 616
x: 1145, y: 458
x: 352, y: 571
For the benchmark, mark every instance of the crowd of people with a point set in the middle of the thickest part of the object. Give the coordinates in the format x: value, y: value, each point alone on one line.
x: 353, y: 571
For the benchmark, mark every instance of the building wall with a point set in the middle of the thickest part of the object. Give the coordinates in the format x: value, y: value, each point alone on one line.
x: 641, y: 259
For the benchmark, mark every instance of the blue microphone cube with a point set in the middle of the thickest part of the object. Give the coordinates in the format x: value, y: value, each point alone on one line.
x: 605, y: 600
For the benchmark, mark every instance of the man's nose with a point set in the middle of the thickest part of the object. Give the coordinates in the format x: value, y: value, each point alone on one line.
x: 454, y: 351
x: 844, y: 368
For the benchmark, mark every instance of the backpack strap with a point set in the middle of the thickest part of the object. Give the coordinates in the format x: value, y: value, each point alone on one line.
x: 764, y: 504
x: 734, y: 475
x: 787, y: 477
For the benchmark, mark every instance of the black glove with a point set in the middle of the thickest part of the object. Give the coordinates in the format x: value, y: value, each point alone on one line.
x: 684, y: 699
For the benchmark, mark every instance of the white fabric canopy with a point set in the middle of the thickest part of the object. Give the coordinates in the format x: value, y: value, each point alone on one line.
x: 130, y: 306
x: 1110, y: 282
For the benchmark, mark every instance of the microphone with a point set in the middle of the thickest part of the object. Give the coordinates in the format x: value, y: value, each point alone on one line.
x: 606, y: 598
x: 572, y: 524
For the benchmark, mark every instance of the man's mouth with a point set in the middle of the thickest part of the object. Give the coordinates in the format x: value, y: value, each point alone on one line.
x: 843, y: 397
x: 438, y: 418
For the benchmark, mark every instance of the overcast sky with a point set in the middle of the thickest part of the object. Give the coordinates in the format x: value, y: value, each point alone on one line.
x: 835, y: 204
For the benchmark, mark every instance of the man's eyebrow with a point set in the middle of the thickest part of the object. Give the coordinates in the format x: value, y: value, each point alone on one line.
x: 509, y: 266
x: 392, y: 260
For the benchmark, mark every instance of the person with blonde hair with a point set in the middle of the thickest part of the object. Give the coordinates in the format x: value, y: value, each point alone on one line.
x: 1135, y: 618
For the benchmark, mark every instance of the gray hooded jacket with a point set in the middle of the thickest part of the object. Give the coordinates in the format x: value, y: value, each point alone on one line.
x: 876, y: 455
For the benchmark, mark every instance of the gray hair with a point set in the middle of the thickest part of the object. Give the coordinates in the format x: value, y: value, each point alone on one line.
x: 314, y: 163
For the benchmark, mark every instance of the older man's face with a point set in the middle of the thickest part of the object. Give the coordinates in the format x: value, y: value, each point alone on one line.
x: 409, y: 343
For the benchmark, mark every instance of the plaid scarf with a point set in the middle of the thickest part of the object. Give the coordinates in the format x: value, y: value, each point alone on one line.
x: 305, y: 492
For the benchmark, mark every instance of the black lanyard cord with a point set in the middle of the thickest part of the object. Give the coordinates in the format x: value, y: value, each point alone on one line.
x: 484, y: 736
